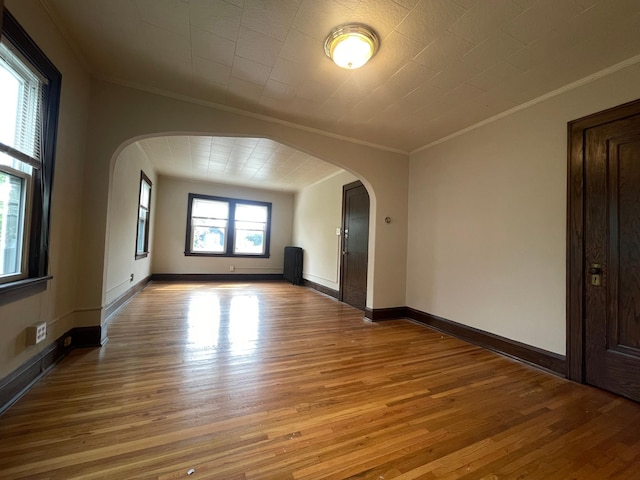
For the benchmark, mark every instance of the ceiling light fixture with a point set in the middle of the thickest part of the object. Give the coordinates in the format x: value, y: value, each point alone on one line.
x: 351, y: 45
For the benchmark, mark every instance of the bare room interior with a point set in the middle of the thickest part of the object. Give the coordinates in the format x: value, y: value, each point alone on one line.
x: 231, y: 250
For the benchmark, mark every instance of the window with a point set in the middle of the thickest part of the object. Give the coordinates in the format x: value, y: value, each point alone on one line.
x: 227, y: 227
x: 29, y: 95
x: 144, y: 206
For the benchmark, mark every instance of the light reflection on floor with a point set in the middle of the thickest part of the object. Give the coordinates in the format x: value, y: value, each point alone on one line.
x: 223, y: 323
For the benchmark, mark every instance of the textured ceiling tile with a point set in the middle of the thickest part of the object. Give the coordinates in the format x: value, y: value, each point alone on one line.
x: 210, y: 46
x: 211, y: 73
x: 443, y: 51
x: 286, y: 71
x: 408, y: 4
x: 409, y: 77
x: 495, y: 76
x: 300, y: 48
x: 166, y: 14
x: 540, y: 19
x: 495, y: 48
x: 525, y: 4
x: 217, y: 17
x: 480, y: 22
x: 244, y: 89
x: 317, y: 18
x: 462, y: 95
x: 406, y: 81
x: 352, y: 4
x: 349, y: 93
x: 249, y: 70
x: 366, y: 109
x: 277, y: 90
x: 421, y: 97
x: 258, y: 47
x: 269, y: 17
x: 429, y: 19
x: 382, y: 15
x: 315, y: 91
x: 455, y: 75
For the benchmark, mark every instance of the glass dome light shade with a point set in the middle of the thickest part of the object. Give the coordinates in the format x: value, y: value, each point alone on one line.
x: 351, y: 46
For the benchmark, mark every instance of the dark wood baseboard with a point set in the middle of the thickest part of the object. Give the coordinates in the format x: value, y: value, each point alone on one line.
x: 126, y: 296
x: 215, y: 277
x: 17, y: 383
x: 321, y: 288
x: 550, y: 361
x: 82, y: 337
x: 379, y: 314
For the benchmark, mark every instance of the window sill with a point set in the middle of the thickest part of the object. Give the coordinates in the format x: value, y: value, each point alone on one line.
x: 14, y: 291
x: 224, y: 255
x: 142, y: 255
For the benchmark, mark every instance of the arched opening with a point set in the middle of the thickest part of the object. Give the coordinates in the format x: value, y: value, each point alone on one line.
x: 305, y: 191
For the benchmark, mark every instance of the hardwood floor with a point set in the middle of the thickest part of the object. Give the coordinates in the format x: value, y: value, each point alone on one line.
x: 274, y: 381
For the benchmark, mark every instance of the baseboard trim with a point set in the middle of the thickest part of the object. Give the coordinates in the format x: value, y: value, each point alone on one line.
x: 321, y: 288
x: 83, y: 337
x: 552, y: 362
x: 20, y: 381
x: 380, y: 314
x: 17, y: 383
x: 126, y: 296
x: 216, y: 277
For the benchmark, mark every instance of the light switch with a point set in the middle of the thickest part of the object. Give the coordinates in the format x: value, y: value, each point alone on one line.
x: 338, y: 231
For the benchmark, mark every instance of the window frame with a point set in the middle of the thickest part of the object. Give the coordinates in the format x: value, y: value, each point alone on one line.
x: 37, y: 226
x: 24, y: 225
x: 145, y: 252
x: 230, y: 237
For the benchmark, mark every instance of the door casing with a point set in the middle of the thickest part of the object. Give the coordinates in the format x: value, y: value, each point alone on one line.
x: 343, y: 272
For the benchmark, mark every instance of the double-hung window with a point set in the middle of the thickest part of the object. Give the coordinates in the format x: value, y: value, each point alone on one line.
x: 144, y: 207
x: 220, y: 226
x: 29, y: 98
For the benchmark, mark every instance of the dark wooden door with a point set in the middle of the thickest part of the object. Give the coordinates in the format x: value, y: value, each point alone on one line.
x: 355, y: 245
x: 612, y: 256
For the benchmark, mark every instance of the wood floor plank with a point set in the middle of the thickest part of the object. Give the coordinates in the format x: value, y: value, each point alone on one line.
x: 272, y: 381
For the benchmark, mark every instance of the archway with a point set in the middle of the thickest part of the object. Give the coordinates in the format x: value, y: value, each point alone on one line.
x: 123, y: 115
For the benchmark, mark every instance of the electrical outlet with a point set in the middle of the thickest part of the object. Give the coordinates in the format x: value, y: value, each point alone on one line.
x: 36, y: 333
x: 232, y: 268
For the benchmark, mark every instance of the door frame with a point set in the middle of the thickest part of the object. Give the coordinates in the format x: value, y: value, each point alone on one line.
x: 575, y: 356
x: 346, y: 187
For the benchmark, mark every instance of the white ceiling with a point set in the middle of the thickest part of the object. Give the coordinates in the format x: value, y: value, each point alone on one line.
x: 443, y: 65
x: 256, y: 162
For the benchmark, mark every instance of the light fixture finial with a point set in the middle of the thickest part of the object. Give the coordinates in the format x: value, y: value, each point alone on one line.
x: 351, y: 45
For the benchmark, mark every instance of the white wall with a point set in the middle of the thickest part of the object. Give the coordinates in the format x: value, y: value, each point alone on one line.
x: 487, y: 218
x: 171, y: 224
x: 57, y: 305
x: 317, y: 214
x: 123, y: 222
